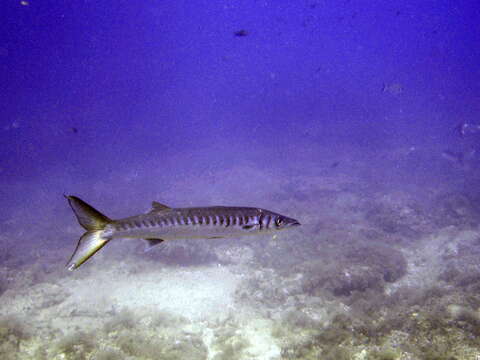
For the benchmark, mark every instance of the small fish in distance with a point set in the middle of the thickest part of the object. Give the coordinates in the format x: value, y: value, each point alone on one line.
x: 240, y: 33
x: 165, y: 223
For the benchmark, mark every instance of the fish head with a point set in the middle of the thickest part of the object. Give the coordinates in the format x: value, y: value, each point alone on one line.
x: 283, y: 222
x: 272, y: 221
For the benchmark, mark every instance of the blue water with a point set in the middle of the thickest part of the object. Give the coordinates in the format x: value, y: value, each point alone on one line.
x: 345, y: 115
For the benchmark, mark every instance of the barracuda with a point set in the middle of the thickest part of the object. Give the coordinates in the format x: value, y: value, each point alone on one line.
x: 165, y: 223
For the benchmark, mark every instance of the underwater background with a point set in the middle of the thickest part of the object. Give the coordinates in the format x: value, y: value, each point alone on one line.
x: 361, y: 119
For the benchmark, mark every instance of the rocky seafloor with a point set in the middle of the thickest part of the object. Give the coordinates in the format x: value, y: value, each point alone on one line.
x: 373, y: 273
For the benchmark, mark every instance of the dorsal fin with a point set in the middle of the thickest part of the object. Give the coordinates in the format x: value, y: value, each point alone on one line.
x: 156, y: 206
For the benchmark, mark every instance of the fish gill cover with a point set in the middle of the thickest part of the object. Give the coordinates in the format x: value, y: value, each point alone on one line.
x: 360, y: 119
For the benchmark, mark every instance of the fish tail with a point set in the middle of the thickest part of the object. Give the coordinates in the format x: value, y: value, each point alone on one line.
x: 93, y: 239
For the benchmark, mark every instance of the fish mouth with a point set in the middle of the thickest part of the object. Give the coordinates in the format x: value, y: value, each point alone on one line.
x: 295, y: 223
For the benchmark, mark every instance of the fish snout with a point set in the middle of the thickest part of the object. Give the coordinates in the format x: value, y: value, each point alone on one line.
x: 289, y: 222
x: 294, y: 223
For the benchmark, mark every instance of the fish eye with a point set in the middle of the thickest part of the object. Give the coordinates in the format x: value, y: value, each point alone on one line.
x: 279, y: 221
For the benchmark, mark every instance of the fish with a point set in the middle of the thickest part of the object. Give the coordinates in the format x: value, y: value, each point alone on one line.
x: 163, y: 223
x: 240, y: 33
x: 394, y: 88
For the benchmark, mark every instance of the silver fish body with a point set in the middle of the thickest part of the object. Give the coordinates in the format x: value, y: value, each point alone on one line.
x: 165, y: 223
x: 191, y: 223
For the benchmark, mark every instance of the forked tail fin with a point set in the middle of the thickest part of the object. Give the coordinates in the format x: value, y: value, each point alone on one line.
x: 94, y: 222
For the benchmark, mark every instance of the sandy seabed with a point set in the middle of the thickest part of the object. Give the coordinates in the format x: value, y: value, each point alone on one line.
x: 377, y: 271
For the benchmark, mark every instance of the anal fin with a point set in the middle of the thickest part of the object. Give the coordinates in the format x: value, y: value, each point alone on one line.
x: 150, y: 243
